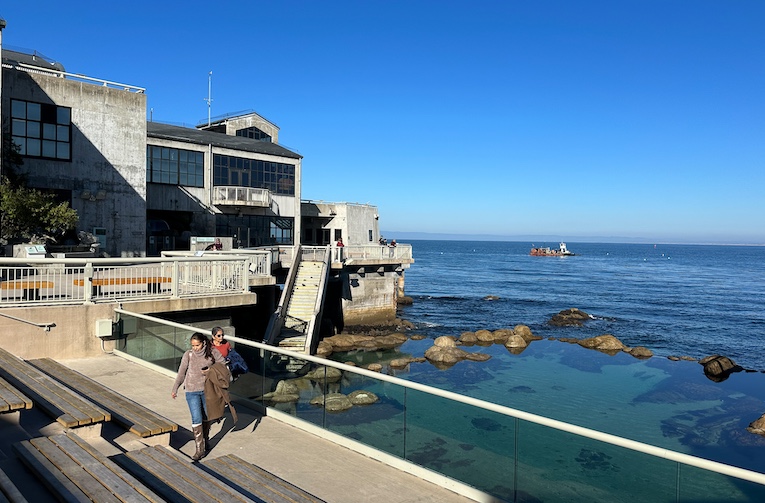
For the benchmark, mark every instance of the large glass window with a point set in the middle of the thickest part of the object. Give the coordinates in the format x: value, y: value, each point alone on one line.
x: 255, y: 230
x: 254, y: 133
x: 277, y: 177
x: 174, y: 166
x: 42, y: 129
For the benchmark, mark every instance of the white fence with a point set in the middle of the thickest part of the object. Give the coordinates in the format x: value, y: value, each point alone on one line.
x: 47, y: 280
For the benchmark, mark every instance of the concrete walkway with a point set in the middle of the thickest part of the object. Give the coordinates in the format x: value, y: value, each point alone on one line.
x: 325, y: 469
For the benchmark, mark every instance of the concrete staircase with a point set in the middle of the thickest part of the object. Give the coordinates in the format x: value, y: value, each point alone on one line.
x: 301, y: 306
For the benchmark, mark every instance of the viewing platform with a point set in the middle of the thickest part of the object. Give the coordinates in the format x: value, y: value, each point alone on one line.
x: 314, y: 464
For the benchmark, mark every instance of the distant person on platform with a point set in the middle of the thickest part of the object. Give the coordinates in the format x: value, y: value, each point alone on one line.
x: 392, y: 244
x: 217, y: 245
x: 382, y: 241
x: 340, y: 246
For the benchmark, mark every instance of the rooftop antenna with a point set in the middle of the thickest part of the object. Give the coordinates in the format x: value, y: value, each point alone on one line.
x: 209, y: 96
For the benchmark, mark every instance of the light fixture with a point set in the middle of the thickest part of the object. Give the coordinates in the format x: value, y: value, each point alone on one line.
x: 101, y: 195
x: 85, y: 194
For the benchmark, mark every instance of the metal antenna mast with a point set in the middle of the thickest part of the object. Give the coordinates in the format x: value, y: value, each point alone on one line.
x: 209, y: 96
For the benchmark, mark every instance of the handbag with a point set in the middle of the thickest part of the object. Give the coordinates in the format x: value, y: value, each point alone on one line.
x: 236, y: 364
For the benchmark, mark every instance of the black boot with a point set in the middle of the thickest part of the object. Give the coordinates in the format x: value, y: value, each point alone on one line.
x: 206, y: 435
x: 199, y: 442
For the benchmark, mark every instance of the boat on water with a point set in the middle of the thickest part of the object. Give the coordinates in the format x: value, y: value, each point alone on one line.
x: 562, y: 251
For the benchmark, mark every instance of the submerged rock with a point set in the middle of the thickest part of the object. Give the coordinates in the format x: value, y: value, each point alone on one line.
x: 570, y: 318
x: 333, y: 402
x: 362, y: 397
x: 606, y: 343
x: 639, y: 352
x: 445, y: 353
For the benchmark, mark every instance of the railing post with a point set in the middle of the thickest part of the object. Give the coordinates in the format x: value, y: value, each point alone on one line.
x: 175, y: 290
x: 87, y: 272
x: 246, y: 275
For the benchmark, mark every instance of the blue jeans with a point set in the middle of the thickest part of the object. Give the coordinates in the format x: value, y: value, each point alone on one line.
x: 197, y: 406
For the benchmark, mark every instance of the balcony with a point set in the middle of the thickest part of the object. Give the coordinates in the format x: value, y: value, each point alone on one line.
x: 241, y: 196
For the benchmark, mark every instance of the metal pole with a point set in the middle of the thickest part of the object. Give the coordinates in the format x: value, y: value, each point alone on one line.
x: 209, y: 96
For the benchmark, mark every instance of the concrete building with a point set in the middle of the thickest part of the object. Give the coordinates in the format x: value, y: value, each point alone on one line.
x: 209, y: 182
x: 146, y: 187
x: 324, y: 223
x: 83, y: 139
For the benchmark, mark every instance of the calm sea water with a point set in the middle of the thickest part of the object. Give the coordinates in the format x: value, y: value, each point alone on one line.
x: 673, y: 299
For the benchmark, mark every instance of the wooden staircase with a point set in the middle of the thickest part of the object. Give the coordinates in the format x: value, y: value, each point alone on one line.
x: 301, y: 306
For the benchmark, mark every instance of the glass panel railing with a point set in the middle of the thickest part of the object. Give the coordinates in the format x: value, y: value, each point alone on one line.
x: 506, y: 453
x: 463, y: 442
x: 155, y: 342
x: 554, y: 465
x: 697, y: 484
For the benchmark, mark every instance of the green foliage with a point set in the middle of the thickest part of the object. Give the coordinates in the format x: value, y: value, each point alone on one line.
x: 32, y: 216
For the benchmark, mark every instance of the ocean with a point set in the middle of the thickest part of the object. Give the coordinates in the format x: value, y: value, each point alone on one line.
x: 676, y: 300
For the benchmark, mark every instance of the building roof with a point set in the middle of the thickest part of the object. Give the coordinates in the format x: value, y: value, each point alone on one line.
x: 189, y: 135
x: 33, y: 59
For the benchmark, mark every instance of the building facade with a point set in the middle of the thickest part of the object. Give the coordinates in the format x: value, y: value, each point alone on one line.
x: 140, y: 187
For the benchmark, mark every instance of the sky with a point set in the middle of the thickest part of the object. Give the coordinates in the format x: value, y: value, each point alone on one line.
x: 635, y: 120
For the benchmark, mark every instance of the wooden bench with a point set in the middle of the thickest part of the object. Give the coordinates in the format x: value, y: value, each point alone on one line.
x: 172, y: 476
x: 258, y: 482
x: 74, y: 471
x: 9, y: 493
x: 70, y: 409
x: 12, y: 399
x: 135, y: 417
x: 30, y: 288
x: 153, y: 283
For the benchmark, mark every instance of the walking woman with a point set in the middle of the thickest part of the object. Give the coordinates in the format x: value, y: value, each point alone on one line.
x: 192, y: 374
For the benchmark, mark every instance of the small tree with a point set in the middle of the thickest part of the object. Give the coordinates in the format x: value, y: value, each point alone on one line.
x: 29, y: 214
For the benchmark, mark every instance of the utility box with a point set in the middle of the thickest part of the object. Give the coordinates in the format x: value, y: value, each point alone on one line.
x: 104, y: 328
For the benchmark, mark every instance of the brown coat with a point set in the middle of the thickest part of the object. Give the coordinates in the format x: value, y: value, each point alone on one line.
x: 216, y: 392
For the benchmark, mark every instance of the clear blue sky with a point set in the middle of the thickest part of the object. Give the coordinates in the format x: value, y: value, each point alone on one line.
x: 575, y: 120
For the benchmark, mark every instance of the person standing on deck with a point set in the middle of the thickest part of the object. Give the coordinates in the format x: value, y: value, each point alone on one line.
x: 192, y: 374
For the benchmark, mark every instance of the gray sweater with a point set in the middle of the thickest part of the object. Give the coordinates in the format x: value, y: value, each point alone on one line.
x: 190, y: 371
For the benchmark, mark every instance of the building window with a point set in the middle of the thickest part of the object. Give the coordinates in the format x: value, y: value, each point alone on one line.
x: 370, y: 235
x: 174, y: 166
x: 42, y: 130
x: 277, y: 177
x: 254, y: 133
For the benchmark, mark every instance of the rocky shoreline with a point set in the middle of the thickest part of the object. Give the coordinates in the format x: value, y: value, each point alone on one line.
x: 446, y: 350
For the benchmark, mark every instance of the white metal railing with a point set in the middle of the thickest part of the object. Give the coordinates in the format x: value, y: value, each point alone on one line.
x: 349, y: 253
x: 247, y: 196
x: 72, y: 280
x: 633, y: 445
x: 75, y: 76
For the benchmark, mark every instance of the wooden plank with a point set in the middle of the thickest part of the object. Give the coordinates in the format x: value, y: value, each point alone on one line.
x: 72, y: 467
x: 53, y: 479
x: 25, y: 285
x: 259, y: 482
x: 69, y: 408
x: 172, y: 472
x: 114, y: 479
x: 137, y: 418
x: 12, y: 399
x: 123, y: 281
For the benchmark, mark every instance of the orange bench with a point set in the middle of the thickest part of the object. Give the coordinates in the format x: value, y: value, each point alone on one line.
x: 31, y: 288
x: 152, y: 282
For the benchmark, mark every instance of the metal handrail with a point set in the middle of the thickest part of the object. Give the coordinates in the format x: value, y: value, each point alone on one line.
x: 634, y: 445
x: 46, y: 326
